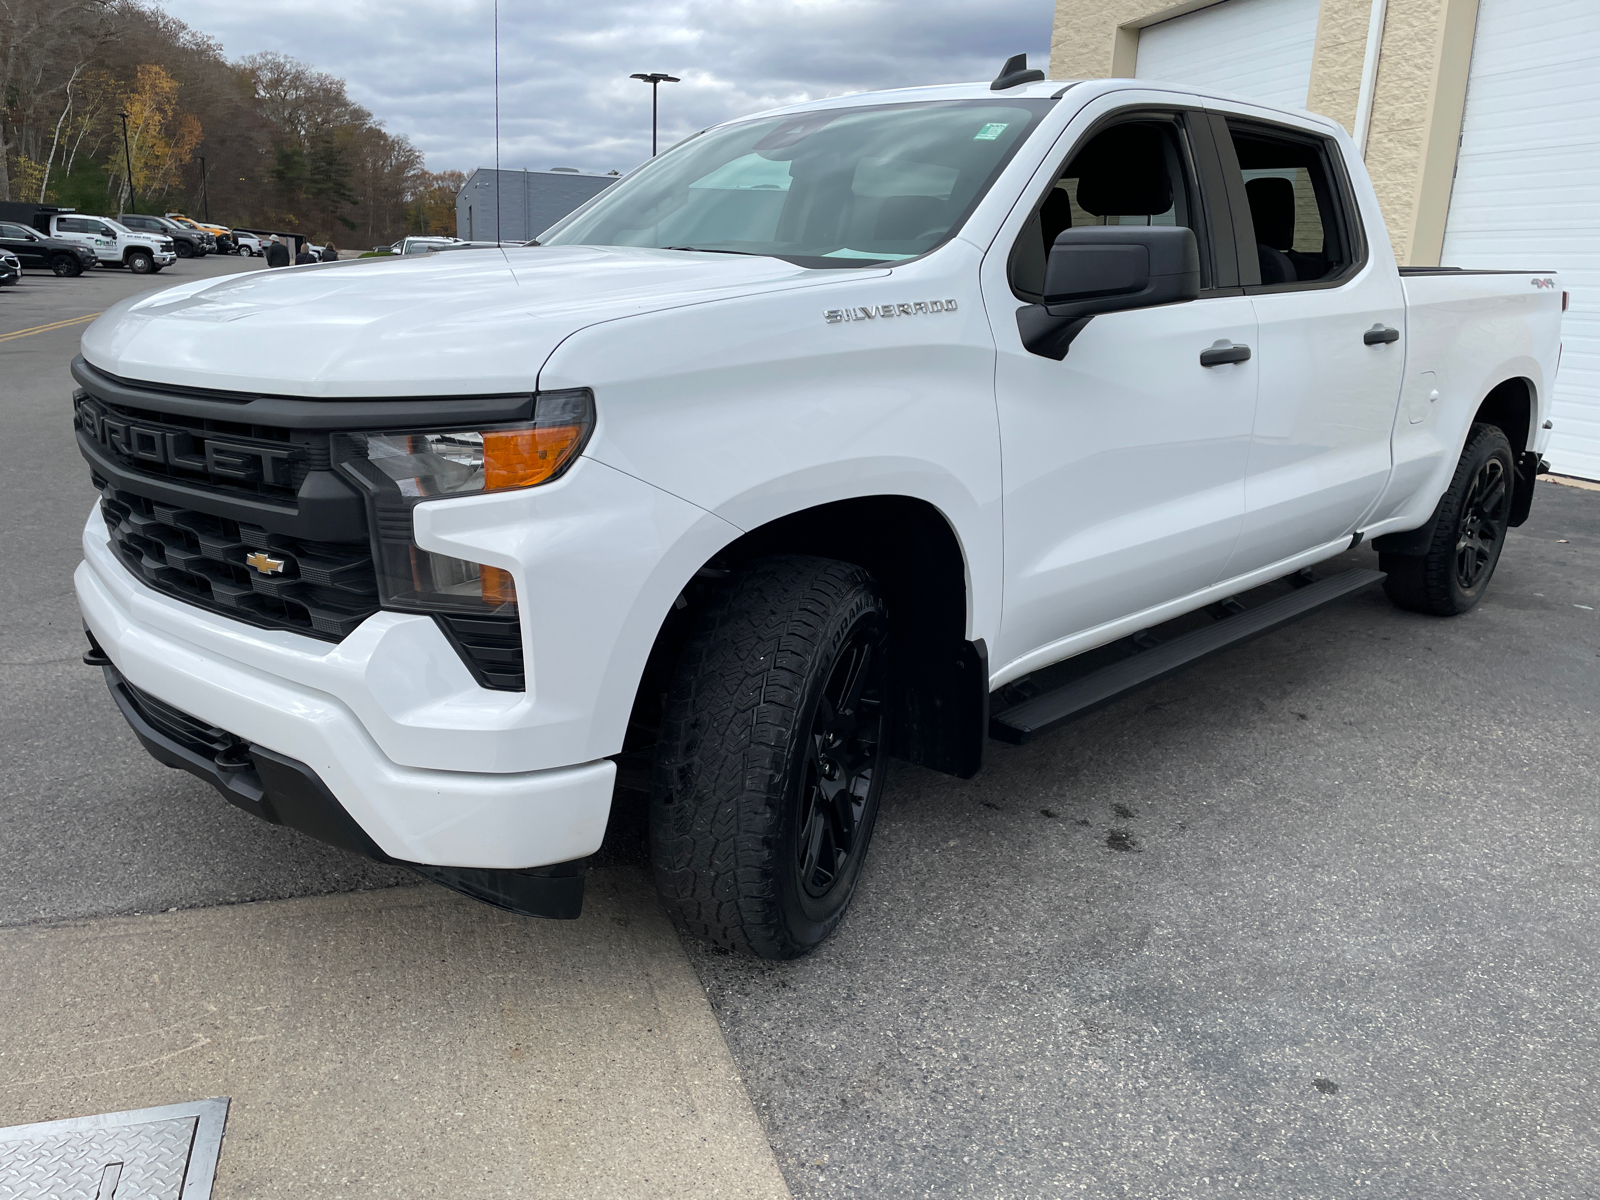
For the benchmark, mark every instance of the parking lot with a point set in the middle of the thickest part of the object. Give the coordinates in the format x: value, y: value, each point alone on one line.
x: 1317, y: 918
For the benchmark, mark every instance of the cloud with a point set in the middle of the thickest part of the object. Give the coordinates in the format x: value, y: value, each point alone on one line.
x: 425, y: 67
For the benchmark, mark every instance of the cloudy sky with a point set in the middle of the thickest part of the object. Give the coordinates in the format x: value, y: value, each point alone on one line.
x: 425, y: 67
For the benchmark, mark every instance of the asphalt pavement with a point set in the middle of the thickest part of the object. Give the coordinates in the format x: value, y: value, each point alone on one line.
x: 1316, y: 918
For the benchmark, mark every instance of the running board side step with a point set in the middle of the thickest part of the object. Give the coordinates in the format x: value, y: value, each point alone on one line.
x: 1036, y: 715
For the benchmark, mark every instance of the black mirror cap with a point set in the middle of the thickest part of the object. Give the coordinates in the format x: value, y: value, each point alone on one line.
x: 1108, y: 268
x: 1104, y: 268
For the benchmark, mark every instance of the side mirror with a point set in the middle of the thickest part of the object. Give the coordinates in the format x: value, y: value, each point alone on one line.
x: 1108, y: 268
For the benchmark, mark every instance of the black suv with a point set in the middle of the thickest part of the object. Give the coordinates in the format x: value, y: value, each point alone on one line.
x: 185, y: 241
x: 36, y: 250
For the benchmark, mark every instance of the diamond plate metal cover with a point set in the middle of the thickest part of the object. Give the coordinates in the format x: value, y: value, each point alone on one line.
x: 167, y: 1153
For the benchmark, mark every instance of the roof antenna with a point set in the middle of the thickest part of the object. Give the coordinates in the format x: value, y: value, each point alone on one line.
x: 497, y: 205
x: 1015, y: 72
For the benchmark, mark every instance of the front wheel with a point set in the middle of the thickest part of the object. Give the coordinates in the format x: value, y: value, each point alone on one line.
x: 185, y: 250
x: 141, y: 263
x: 771, y: 760
x: 1469, y: 533
x: 66, y: 265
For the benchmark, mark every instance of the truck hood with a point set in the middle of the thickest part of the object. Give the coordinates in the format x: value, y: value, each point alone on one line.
x: 456, y: 323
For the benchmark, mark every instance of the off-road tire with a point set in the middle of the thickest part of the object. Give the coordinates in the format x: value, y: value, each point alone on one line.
x: 742, y: 753
x: 140, y: 262
x: 1470, y: 528
x: 66, y: 266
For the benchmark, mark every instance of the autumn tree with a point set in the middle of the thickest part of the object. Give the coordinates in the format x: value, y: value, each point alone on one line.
x: 160, y: 138
x: 283, y: 145
x: 433, y: 202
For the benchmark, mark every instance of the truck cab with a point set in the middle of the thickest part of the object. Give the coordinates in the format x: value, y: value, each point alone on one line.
x: 834, y: 433
x: 187, y: 242
x: 113, y: 243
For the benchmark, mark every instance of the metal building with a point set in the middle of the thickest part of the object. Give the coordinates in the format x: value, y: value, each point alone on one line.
x: 528, y: 202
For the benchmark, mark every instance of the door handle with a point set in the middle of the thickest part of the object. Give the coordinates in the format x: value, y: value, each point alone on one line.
x: 1222, y: 352
x: 1380, y: 335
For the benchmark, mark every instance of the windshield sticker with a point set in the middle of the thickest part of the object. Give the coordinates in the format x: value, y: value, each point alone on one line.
x: 991, y: 131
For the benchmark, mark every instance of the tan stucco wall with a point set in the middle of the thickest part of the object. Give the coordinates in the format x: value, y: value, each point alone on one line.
x: 1417, y: 103
x: 1416, y: 120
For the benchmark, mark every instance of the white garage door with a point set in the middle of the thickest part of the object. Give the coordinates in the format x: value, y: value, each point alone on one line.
x: 1257, y: 48
x: 1527, y: 189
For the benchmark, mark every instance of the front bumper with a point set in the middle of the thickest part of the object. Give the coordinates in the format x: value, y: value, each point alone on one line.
x: 286, y: 792
x: 508, y: 820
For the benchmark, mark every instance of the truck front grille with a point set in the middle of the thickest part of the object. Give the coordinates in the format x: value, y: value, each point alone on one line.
x: 323, y: 589
x: 228, y: 456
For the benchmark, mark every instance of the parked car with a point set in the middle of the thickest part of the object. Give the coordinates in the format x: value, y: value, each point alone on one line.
x: 42, y: 253
x: 186, y: 241
x: 114, y: 243
x: 815, y: 440
x: 410, y: 246
x: 248, y: 244
x: 10, y: 269
x: 221, y: 235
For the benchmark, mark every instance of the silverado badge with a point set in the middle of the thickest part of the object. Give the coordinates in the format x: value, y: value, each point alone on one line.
x: 264, y: 563
x: 835, y: 316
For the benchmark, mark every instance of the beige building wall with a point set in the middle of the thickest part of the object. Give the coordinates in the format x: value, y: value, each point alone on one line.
x: 1417, y: 104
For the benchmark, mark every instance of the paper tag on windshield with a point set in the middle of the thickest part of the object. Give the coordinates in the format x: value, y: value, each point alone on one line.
x: 991, y: 131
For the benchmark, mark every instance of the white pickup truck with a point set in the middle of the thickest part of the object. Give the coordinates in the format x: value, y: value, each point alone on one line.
x: 830, y: 435
x: 115, y: 245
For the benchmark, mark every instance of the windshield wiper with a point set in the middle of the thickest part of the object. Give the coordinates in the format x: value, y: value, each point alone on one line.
x: 714, y: 250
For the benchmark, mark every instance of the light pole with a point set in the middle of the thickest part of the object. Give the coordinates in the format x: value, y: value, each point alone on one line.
x: 655, y: 79
x: 205, y: 189
x: 128, y: 158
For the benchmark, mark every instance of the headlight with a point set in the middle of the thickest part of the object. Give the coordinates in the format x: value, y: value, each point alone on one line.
x: 400, y: 470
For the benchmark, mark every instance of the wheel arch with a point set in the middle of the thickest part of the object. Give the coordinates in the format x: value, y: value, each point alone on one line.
x: 1512, y: 405
x: 911, y: 548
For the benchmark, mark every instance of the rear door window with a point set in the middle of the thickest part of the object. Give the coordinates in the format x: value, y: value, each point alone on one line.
x: 1293, y: 207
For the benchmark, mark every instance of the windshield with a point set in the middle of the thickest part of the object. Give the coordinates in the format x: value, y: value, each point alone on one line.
x: 835, y: 188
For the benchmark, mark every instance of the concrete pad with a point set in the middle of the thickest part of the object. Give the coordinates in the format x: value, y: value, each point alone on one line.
x: 399, y: 1043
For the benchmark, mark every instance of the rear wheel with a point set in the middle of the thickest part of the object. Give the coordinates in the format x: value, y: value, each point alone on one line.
x: 140, y: 262
x: 771, y: 759
x: 1469, y: 533
x: 66, y: 265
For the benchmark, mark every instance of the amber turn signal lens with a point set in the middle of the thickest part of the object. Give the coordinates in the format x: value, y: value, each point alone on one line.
x: 498, y: 586
x: 515, y: 458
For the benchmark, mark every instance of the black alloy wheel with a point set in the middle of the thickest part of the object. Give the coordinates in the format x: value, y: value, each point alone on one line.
x: 772, y: 754
x: 842, y: 761
x: 1468, y: 533
x: 1482, y: 528
x: 66, y: 265
x: 184, y: 249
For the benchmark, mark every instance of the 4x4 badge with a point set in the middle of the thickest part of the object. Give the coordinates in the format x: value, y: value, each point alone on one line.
x: 264, y: 563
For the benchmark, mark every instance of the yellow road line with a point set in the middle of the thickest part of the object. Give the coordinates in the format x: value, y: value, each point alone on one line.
x: 18, y: 333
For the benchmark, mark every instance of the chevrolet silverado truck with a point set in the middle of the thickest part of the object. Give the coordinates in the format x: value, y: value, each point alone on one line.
x: 834, y: 434
x: 113, y: 243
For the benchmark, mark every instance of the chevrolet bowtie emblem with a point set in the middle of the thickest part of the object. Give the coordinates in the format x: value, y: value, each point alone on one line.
x: 264, y: 563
